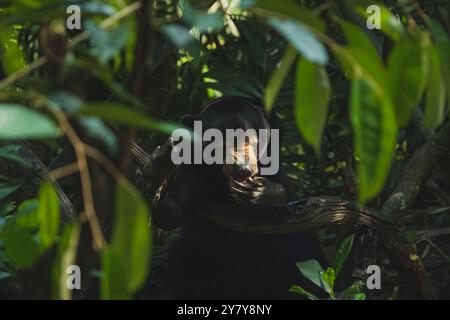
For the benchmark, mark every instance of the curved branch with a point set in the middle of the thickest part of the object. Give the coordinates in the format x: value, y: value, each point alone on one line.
x: 417, y: 170
x: 319, y: 212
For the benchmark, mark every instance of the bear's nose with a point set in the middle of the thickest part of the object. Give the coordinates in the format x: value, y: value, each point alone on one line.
x: 242, y: 172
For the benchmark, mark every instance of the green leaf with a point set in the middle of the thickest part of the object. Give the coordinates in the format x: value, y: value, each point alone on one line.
x: 20, y: 247
x: 311, y: 270
x: 408, y: 70
x: 96, y: 129
x: 342, y: 252
x: 302, y: 39
x: 113, y: 286
x: 129, y: 253
x: 6, y: 209
x: 389, y: 23
x: 67, y: 252
x: 5, y: 275
x: 20, y: 122
x: 299, y: 290
x: 27, y: 215
x: 29, y: 11
x: 107, y: 43
x: 359, y: 39
x: 312, y: 95
x: 123, y: 115
x: 66, y: 100
x: 363, y: 57
x: 443, y: 48
x: 374, y: 128
x: 352, y: 291
x: 286, y: 9
x: 11, y: 54
x: 328, y: 278
x: 180, y: 37
x: 10, y: 187
x: 277, y: 78
x: 359, y: 296
x: 49, y: 214
x: 435, y: 97
x: 203, y: 22
x: 10, y: 152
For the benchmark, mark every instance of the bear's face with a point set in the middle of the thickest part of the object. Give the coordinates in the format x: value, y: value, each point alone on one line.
x: 242, y: 117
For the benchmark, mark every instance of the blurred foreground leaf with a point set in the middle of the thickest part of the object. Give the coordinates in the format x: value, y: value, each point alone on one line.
x: 49, y: 214
x: 374, y: 128
x: 126, y: 261
x: 312, y: 95
x: 20, y: 122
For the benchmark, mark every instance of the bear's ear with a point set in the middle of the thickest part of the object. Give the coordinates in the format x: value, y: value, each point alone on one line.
x: 188, y: 121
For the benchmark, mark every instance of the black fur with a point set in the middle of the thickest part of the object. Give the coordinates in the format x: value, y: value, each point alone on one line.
x: 211, y: 262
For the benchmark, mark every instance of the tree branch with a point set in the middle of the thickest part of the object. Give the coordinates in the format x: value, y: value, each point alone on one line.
x: 417, y: 169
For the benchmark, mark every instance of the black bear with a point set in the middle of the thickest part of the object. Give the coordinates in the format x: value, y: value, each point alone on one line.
x: 208, y: 261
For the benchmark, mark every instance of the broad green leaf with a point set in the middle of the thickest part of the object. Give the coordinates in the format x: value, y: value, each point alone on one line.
x: 358, y: 38
x: 286, y: 9
x: 299, y: 290
x: 67, y: 252
x: 408, y: 70
x: 130, y: 250
x: 277, y: 78
x: 312, y: 95
x: 20, y: 246
x: 27, y: 215
x: 328, y: 278
x: 96, y: 129
x: 302, y: 39
x: 123, y: 115
x: 389, y: 23
x: 49, y: 214
x: 66, y: 100
x: 342, y: 252
x: 374, y: 129
x: 9, y: 187
x: 20, y: 122
x: 435, y: 97
x: 311, y: 270
x: 10, y: 52
x: 362, y: 56
x: 113, y: 285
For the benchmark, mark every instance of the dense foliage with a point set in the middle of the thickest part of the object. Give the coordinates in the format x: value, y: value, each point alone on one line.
x: 356, y: 104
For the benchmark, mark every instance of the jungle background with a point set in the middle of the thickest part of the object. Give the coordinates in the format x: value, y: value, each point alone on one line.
x: 85, y: 115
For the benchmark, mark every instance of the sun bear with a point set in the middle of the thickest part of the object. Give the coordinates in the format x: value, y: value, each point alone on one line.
x: 208, y: 261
